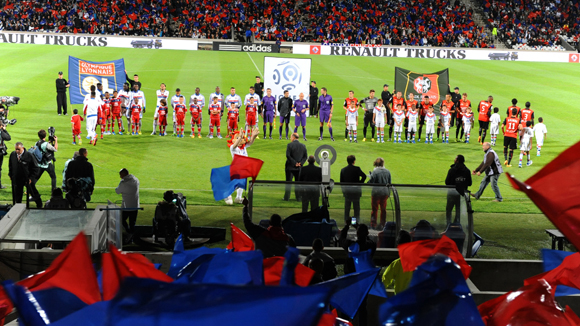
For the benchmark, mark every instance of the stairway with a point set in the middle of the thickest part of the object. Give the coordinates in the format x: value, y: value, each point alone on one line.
x: 479, y: 20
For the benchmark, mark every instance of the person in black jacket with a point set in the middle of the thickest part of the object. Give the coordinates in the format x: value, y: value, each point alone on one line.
x: 386, y: 96
x: 133, y: 82
x: 4, y: 136
x: 296, y: 155
x: 352, y: 194
x: 81, y: 167
x: 460, y: 177
x: 310, y: 193
x: 313, y: 99
x: 61, y: 86
x: 285, y: 108
x: 22, y: 170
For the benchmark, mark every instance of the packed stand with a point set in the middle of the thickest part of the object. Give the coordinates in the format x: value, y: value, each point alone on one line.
x: 534, y: 25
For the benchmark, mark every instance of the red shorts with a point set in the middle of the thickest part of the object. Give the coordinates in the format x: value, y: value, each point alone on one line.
x: 76, y: 131
x: 107, y: 114
x: 116, y: 115
x: 233, y: 124
x: 162, y: 120
x: 180, y: 120
x: 135, y: 118
x: 102, y: 121
x: 195, y: 120
x: 215, y: 121
x: 250, y: 120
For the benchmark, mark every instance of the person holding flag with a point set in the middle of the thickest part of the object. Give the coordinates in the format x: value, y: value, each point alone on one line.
x: 238, y: 145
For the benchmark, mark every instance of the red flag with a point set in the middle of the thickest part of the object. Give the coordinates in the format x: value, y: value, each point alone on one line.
x: 240, y: 240
x: 416, y: 253
x: 568, y: 273
x: 72, y: 271
x: 273, y: 272
x: 245, y: 167
x: 117, y: 266
x: 532, y: 304
x: 555, y: 189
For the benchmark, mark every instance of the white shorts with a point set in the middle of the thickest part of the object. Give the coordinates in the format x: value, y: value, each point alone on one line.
x: 380, y: 124
x: 540, y: 141
x: 352, y: 126
x: 412, y: 127
x: 398, y: 128
x: 430, y: 129
x: 446, y: 127
x: 525, y: 146
x: 494, y: 129
x: 467, y: 128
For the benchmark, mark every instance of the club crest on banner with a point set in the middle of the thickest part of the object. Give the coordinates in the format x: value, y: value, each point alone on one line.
x: 433, y: 85
x: 83, y: 74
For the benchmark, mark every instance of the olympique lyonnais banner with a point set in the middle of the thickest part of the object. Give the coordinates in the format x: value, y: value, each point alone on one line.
x: 289, y: 74
x: 435, y: 85
x: 82, y: 74
x: 425, y: 52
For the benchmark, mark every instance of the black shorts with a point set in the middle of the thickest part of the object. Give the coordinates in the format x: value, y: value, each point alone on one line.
x: 510, y: 142
x: 483, y: 124
x: 422, y: 120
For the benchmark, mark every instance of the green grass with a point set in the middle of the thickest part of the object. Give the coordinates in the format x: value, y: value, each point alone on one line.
x: 29, y: 71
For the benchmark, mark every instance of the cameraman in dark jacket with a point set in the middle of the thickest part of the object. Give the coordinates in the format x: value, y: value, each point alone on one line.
x: 285, y: 108
x: 48, y: 150
x: 460, y: 177
x: 168, y: 221
x: 4, y: 136
x: 81, y: 167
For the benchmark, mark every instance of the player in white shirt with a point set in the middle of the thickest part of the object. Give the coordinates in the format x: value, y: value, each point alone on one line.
x: 540, y: 132
x: 467, y: 123
x: 125, y: 96
x: 445, y: 123
x: 412, y: 117
x: 430, y: 121
x: 91, y: 111
x: 139, y: 95
x: 379, y: 118
x: 220, y: 97
x: 525, y: 143
x: 174, y: 102
x: 494, y: 121
x: 162, y: 94
x: 257, y: 100
x: 197, y: 95
x: 238, y: 146
x: 399, y: 118
x: 352, y: 121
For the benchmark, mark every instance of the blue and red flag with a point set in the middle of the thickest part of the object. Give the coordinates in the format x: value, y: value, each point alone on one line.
x: 226, y: 179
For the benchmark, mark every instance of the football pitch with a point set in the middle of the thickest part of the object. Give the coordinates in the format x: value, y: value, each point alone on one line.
x: 161, y: 163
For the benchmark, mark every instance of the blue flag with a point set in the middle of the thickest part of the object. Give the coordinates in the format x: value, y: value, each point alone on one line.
x: 82, y: 74
x: 553, y: 259
x: 437, y: 296
x: 222, y: 185
x: 182, y: 259
x: 349, y: 291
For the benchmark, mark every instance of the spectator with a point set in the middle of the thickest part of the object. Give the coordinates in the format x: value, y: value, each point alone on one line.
x: 317, y: 265
x: 272, y: 241
x: 460, y: 177
x: 380, y: 194
x: 352, y: 194
x: 394, y: 277
x: 491, y: 166
x: 423, y: 231
x: 48, y: 150
x: 22, y: 171
x: 4, y: 136
x: 296, y: 155
x: 129, y: 189
x: 80, y: 167
x: 329, y: 268
x: 310, y: 193
x: 168, y: 222
x: 57, y: 201
x: 363, y: 242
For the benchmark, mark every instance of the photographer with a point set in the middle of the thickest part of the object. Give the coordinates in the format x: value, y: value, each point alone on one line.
x: 460, y: 177
x: 48, y: 149
x: 168, y: 221
x: 4, y: 136
x: 129, y: 189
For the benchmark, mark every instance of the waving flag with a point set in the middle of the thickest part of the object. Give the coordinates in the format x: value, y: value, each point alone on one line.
x: 245, y: 167
x: 563, y: 271
x: 240, y: 240
x: 222, y: 185
x: 84, y: 73
x: 555, y: 189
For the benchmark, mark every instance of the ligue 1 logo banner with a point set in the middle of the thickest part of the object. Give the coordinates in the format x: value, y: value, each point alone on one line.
x: 287, y: 74
x: 82, y: 74
x: 435, y: 85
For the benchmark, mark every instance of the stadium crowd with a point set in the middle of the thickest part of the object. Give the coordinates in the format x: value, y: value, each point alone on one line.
x: 534, y: 24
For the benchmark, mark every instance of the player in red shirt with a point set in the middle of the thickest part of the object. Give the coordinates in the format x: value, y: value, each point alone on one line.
x: 395, y: 102
x: 514, y: 106
x: 233, y: 113
x: 161, y: 116
x: 215, y: 110
x: 423, y: 110
x: 104, y: 111
x: 464, y: 103
x: 196, y: 113
x: 115, y: 112
x: 484, y: 110
x: 180, y: 111
x: 251, y: 113
x: 135, y: 117
x: 76, y: 126
x: 510, y: 133
x: 527, y: 114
